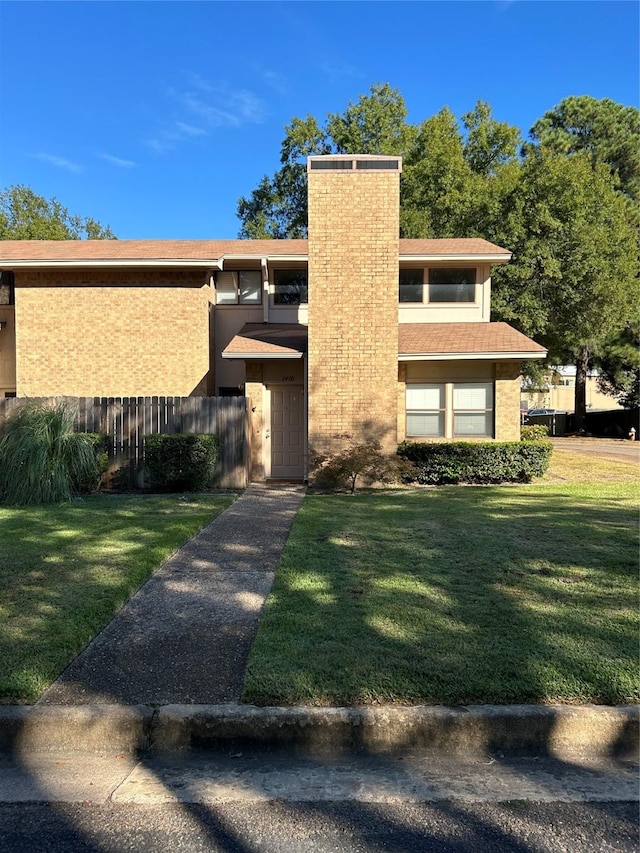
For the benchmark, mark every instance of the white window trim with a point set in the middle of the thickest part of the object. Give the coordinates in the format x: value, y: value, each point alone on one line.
x: 449, y: 411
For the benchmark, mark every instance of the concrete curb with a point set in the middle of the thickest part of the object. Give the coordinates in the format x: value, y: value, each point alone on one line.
x: 560, y: 731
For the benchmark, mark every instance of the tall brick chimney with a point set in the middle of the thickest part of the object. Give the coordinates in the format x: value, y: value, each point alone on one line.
x: 354, y: 223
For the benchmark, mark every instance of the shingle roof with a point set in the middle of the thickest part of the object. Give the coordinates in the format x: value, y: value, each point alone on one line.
x: 461, y: 338
x: 433, y: 339
x: 208, y: 250
x: 451, y: 246
x: 124, y: 250
x: 269, y: 339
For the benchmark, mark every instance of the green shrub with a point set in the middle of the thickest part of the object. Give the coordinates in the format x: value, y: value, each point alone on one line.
x: 534, y: 432
x: 477, y: 462
x: 181, y: 463
x: 42, y: 458
x: 357, y: 461
x: 100, y: 444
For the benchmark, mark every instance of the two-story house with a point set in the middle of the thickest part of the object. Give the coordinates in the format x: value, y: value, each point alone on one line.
x: 352, y: 331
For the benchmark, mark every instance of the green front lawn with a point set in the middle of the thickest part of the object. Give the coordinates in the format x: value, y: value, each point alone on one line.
x: 65, y: 570
x: 455, y: 595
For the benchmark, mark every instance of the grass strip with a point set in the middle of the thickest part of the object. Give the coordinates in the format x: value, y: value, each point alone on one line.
x: 455, y: 595
x: 66, y: 569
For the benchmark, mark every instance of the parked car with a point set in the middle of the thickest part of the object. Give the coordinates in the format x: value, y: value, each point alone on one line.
x: 542, y: 412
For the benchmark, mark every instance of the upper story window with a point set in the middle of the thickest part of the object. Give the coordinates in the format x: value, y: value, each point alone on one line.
x: 290, y: 287
x: 239, y: 287
x: 7, y: 290
x: 411, y: 285
x: 452, y: 284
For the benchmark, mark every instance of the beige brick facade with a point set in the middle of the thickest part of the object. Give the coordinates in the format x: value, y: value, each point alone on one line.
x: 111, y: 333
x: 507, y: 401
x: 353, y: 306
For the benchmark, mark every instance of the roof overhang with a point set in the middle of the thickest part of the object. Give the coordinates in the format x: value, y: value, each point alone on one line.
x: 483, y: 258
x: 261, y: 356
x: 117, y: 263
x: 472, y: 356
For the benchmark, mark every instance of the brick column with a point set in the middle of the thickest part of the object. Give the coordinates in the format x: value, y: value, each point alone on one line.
x: 507, y: 402
x: 353, y: 302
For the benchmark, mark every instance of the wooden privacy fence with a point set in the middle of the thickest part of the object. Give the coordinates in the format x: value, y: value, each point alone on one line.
x: 126, y: 420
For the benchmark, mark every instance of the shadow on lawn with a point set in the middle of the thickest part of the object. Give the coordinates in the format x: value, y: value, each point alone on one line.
x: 62, y: 585
x: 454, y: 596
x: 362, y: 563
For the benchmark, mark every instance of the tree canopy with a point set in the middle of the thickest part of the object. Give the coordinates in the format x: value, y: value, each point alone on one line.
x: 27, y: 216
x: 565, y: 203
x: 607, y: 131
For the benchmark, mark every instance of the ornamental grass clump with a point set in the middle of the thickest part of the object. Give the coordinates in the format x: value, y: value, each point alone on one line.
x: 42, y: 458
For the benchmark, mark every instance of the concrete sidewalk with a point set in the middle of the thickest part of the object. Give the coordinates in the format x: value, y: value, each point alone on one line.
x: 185, y: 636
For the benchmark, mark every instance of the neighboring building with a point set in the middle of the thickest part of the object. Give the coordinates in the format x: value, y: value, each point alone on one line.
x: 352, y: 331
x: 560, y: 390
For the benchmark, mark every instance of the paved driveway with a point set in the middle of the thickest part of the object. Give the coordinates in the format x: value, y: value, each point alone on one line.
x: 606, y: 448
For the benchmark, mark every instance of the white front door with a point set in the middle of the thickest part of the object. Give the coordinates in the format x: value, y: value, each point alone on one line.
x: 287, y: 432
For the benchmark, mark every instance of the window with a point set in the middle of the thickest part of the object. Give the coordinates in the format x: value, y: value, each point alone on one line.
x: 450, y: 410
x: 290, y: 287
x: 425, y: 410
x: 472, y: 409
x: 7, y: 292
x: 411, y: 283
x: 242, y: 287
x: 452, y: 285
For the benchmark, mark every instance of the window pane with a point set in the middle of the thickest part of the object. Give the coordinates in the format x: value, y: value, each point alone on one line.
x: 452, y: 285
x: 290, y: 287
x: 411, y: 285
x: 473, y: 395
x: 472, y: 423
x: 425, y: 396
x: 226, y: 290
x: 427, y: 424
x: 250, y: 286
x: 6, y: 288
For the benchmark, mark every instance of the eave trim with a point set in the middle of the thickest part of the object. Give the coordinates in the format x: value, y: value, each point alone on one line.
x: 472, y: 356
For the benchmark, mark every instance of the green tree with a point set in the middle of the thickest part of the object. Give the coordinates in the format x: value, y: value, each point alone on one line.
x: 374, y: 124
x: 619, y: 366
x: 27, y: 216
x: 574, y: 274
x: 609, y: 132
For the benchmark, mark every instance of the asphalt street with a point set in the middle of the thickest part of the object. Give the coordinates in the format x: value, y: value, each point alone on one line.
x: 282, y: 827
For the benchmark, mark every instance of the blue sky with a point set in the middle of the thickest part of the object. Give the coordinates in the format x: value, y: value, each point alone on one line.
x: 154, y: 117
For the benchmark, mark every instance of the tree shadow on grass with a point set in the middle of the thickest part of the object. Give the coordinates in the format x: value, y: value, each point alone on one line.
x: 455, y: 596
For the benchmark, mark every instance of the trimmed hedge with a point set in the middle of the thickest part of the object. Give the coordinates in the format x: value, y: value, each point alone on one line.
x: 477, y: 462
x: 181, y: 463
x: 534, y: 432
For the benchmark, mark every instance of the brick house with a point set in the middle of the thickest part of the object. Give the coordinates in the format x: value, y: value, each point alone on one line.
x: 351, y: 331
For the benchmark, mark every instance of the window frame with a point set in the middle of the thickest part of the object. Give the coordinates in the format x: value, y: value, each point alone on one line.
x: 430, y: 284
x: 440, y: 411
x: 280, y: 271
x: 10, y: 284
x: 448, y: 410
x: 408, y: 271
x: 236, y: 277
x: 488, y: 412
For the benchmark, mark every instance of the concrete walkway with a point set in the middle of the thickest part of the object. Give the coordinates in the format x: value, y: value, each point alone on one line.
x: 185, y: 636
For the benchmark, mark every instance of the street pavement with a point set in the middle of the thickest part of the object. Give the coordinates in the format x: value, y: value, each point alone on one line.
x: 353, y: 827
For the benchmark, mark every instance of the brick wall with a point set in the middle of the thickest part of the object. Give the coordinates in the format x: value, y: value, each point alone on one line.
x: 507, y: 402
x: 353, y: 306
x: 110, y: 333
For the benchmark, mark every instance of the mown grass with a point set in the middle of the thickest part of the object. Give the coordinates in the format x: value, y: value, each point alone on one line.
x: 456, y: 595
x: 66, y: 569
